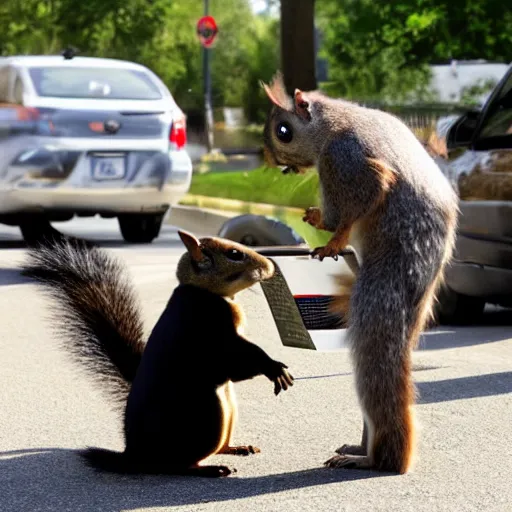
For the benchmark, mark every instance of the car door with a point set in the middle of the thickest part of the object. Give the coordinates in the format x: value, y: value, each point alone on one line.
x: 482, y: 175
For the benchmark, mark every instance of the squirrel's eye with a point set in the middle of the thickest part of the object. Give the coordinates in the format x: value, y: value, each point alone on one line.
x: 284, y: 132
x: 235, y: 255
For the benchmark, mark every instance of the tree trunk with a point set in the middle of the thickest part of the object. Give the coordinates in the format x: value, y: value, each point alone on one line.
x: 298, y: 44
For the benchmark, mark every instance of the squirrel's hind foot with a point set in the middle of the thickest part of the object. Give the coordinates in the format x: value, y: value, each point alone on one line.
x: 349, y: 462
x: 351, y: 449
x: 239, y: 450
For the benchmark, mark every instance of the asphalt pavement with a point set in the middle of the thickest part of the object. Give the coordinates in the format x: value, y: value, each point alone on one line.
x: 49, y: 410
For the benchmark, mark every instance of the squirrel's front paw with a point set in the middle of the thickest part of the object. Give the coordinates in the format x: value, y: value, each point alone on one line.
x: 328, y: 251
x: 281, y: 378
x: 313, y: 216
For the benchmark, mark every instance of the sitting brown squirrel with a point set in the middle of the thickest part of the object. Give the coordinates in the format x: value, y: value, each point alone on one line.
x: 384, y: 195
x: 177, y: 387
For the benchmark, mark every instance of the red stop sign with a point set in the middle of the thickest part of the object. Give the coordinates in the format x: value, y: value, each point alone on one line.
x: 207, y: 30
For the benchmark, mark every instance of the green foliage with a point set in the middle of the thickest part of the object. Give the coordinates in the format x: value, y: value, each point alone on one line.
x: 378, y: 48
x: 470, y: 95
x: 263, y: 63
x: 160, y: 34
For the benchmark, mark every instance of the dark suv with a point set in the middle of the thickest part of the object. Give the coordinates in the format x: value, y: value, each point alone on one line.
x: 479, y: 164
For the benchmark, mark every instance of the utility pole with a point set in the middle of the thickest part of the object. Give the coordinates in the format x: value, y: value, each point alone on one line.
x: 298, y: 44
x: 207, y: 91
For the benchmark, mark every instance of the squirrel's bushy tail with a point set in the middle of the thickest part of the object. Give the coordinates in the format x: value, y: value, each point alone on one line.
x: 95, y: 309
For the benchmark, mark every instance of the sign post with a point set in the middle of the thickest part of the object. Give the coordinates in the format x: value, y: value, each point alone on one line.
x: 207, y: 31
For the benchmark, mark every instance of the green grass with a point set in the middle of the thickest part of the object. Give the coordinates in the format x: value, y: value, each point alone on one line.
x: 263, y: 185
x: 314, y: 237
x: 269, y: 186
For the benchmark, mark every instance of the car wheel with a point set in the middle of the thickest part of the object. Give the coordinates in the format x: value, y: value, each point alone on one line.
x: 258, y: 230
x: 140, y: 228
x: 456, y: 309
x: 37, y: 229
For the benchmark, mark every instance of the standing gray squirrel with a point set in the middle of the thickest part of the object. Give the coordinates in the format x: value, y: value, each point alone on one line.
x: 177, y: 389
x: 383, y: 194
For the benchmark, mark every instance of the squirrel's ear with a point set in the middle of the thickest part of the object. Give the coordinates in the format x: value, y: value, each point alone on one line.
x: 301, y: 105
x: 276, y: 92
x: 192, y: 245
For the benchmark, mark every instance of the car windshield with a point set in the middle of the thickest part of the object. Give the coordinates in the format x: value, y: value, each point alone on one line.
x: 94, y: 83
x: 499, y: 120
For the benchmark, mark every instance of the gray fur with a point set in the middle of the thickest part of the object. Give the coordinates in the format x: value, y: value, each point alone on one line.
x: 404, y: 243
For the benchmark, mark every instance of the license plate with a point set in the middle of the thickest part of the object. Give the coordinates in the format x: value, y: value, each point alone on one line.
x: 108, y: 168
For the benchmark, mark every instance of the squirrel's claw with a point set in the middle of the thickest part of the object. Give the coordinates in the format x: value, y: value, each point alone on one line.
x: 325, y: 252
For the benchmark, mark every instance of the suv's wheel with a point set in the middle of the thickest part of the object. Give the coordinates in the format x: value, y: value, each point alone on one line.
x: 457, y: 309
x: 140, y: 228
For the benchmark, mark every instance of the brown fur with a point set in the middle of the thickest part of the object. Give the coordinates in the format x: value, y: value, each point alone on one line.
x: 385, y: 174
x: 436, y: 146
x: 276, y: 91
x: 205, y: 265
x: 340, y: 304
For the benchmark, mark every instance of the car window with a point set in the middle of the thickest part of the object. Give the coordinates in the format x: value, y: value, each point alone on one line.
x: 94, y: 83
x: 499, y: 120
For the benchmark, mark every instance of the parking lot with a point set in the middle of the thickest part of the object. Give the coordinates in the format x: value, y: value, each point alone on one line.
x: 48, y: 410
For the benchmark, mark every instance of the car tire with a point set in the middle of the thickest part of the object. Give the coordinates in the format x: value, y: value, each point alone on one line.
x: 37, y: 229
x: 453, y: 308
x: 259, y: 230
x: 140, y: 228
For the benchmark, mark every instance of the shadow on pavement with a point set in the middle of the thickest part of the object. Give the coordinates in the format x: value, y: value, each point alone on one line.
x: 10, y: 276
x: 465, y: 387
x: 56, y: 479
x: 493, y: 326
x: 99, y: 236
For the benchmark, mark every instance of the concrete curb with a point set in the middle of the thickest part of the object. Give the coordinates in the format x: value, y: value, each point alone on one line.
x: 205, y: 215
x: 233, y: 205
x: 197, y: 220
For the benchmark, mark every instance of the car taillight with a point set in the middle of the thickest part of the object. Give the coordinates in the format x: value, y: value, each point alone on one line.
x: 26, y: 113
x: 33, y: 113
x: 178, y: 133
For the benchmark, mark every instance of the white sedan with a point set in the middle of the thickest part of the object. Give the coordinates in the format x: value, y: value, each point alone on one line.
x: 89, y: 136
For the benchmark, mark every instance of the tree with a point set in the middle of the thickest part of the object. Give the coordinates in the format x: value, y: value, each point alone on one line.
x: 378, y: 48
x: 160, y: 34
x: 298, y: 44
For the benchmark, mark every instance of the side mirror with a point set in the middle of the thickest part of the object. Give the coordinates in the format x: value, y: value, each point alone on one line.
x: 462, y: 130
